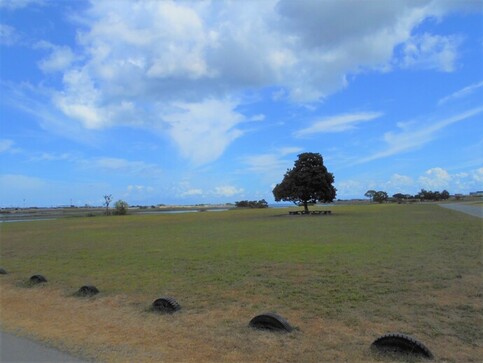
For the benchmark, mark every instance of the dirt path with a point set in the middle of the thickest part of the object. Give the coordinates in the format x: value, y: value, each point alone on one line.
x: 474, y: 210
x: 16, y: 349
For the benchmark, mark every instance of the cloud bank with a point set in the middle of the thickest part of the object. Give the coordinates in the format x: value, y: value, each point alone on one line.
x: 184, y: 68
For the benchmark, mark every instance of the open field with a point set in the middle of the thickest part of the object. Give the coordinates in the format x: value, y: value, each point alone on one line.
x: 342, y: 280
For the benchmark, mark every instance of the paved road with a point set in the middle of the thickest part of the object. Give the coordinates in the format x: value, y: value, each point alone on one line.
x: 14, y: 349
x: 471, y: 209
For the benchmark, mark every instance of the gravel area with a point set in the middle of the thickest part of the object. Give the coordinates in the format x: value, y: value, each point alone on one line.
x: 17, y: 349
x: 471, y: 209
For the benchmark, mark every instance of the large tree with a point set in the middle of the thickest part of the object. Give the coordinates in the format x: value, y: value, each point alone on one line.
x: 307, y: 182
x: 370, y: 194
x: 380, y: 197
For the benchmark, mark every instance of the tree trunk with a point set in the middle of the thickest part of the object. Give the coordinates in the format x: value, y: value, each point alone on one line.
x: 306, y: 207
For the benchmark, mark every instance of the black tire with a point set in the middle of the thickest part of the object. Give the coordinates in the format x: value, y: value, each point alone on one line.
x: 270, y: 321
x: 87, y: 290
x: 2, y: 271
x: 402, y: 344
x: 166, y: 304
x: 37, y: 279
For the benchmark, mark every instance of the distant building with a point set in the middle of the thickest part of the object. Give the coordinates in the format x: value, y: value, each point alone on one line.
x: 477, y: 194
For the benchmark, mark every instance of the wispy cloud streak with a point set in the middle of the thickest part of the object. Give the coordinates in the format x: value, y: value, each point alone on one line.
x: 410, y: 139
x: 339, y: 123
x: 464, y: 92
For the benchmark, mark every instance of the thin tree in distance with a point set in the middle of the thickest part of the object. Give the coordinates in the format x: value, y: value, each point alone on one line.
x: 107, y: 201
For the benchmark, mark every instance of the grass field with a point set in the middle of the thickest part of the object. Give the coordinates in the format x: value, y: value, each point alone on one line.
x: 342, y: 280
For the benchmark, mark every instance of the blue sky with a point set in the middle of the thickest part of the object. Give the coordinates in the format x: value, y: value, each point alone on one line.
x: 211, y: 101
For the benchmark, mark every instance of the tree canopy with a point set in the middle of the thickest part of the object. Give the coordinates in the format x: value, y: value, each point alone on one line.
x: 121, y: 207
x: 307, y: 182
x: 380, y: 196
x: 370, y: 194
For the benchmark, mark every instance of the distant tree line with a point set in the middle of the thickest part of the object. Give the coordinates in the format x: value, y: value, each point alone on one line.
x: 377, y: 196
x: 429, y: 195
x: 423, y: 195
x: 252, y: 204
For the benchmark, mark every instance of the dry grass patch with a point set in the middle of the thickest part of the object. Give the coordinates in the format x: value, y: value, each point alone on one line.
x: 121, y: 329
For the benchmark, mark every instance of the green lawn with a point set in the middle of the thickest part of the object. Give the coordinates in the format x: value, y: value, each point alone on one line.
x: 371, y: 262
x: 356, y: 255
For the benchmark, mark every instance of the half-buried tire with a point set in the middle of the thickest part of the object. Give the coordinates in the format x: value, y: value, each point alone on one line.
x: 87, y: 290
x: 166, y: 304
x: 398, y: 343
x: 37, y: 279
x: 270, y: 321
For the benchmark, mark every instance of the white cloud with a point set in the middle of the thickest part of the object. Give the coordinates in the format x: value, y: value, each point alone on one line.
x: 83, y: 101
x: 351, y: 188
x: 45, y: 156
x: 26, y: 190
x: 464, y: 92
x: 442, y: 6
x: 256, y: 118
x: 18, y: 4
x: 227, y: 191
x: 201, y: 49
x: 137, y: 192
x: 271, y: 166
x: 328, y: 46
x: 16, y: 184
x: 203, y: 130
x: 264, y: 163
x: 185, y: 190
x: 469, y: 182
x: 60, y: 58
x: 435, y: 178
x: 399, y: 181
x: 339, y: 123
x: 192, y: 192
x: 289, y: 150
x: 270, y: 163
x: 8, y: 35
x: 428, y: 51
x: 413, y: 136
x: 35, y: 101
x: 6, y: 145
x: 148, y: 41
x: 79, y: 100
x: 162, y: 64
x: 123, y: 166
x: 478, y: 175
x: 439, y: 179
x: 139, y: 188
